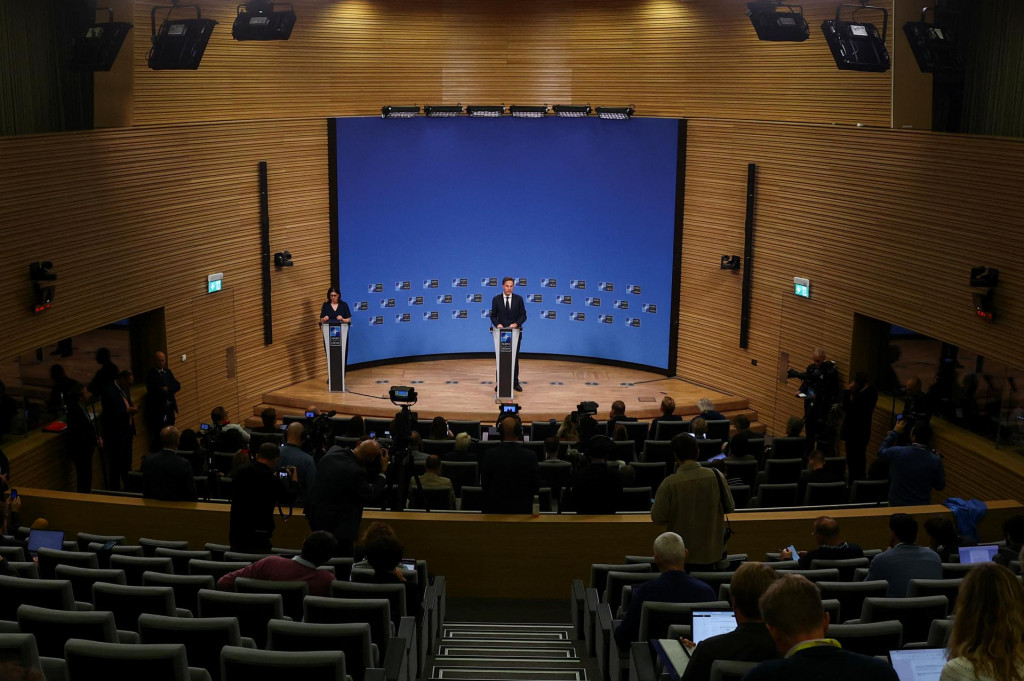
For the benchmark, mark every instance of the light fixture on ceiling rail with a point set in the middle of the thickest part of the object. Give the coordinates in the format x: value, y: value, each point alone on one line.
x: 571, y: 111
x: 528, y: 111
x: 615, y: 113
x: 779, y: 26
x: 180, y: 43
x: 487, y: 111
x: 96, y: 48
x: 399, y: 111
x: 934, y: 48
x: 262, y: 20
x: 443, y: 111
x: 857, y: 46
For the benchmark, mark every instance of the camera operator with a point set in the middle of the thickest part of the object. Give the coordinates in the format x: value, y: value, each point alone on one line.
x: 319, y: 433
x: 258, y: 487
x: 820, y: 392
x: 343, y: 487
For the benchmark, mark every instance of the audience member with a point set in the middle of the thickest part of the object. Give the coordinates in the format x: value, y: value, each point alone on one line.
x: 668, y: 407
x: 257, y: 488
x: 739, y: 448
x: 914, y: 469
x: 597, y: 488
x: 707, y: 410
x: 383, y: 552
x: 987, y: 639
x: 268, y: 422
x: 105, y: 375
x: 1013, y: 534
x: 699, y: 429
x: 61, y: 396
x: 672, y: 586
x: 942, y: 538
x: 917, y: 408
x: 859, y: 400
x: 292, y: 454
x: 905, y: 560
x: 551, y: 447
x: 692, y: 502
x: 750, y: 641
x: 820, y: 392
x: 342, y: 488
x: 617, y: 415
x: 416, y: 448
x: 161, y: 400
x: 228, y: 437
x: 81, y: 436
x: 509, y: 473
x: 568, y: 430
x: 798, y: 623
x: 461, y: 451
x: 355, y: 427
x: 439, y: 429
x: 432, y: 479
x: 318, y: 548
x: 794, y: 426
x: 816, y: 470
x: 166, y: 475
x: 118, y: 428
x: 830, y: 545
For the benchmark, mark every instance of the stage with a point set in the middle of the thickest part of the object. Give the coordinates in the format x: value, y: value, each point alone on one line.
x: 464, y: 389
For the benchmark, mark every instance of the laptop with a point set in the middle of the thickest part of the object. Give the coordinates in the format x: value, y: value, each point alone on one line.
x: 923, y: 664
x: 44, y: 539
x: 978, y: 554
x: 708, y: 623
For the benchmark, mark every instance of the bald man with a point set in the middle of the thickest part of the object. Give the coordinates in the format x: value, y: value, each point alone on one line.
x: 509, y: 473
x: 292, y: 454
x: 161, y: 403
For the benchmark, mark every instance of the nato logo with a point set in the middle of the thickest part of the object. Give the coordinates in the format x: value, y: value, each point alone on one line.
x: 387, y: 302
x: 362, y: 306
x: 605, y: 318
x: 534, y: 298
x: 577, y: 283
x: 633, y: 288
x: 403, y: 285
x: 563, y: 300
x: 489, y: 281
x: 548, y: 314
x: 427, y: 316
x: 445, y: 298
x: 578, y: 316
x: 521, y: 281
x: 474, y: 298
x: 633, y: 321
x: 650, y: 307
x: 403, y: 317
x: 415, y: 300
x: 376, y: 321
x: 593, y: 302
x: 376, y: 288
x: 460, y: 282
x: 621, y: 304
x: 605, y: 286
x: 430, y: 283
x: 548, y: 283
x: 485, y: 314
x: 460, y: 314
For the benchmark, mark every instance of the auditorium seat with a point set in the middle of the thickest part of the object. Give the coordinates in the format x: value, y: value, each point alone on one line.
x: 253, y: 611
x: 216, y: 568
x: 788, y: 448
x: 869, y: 491
x: 181, y: 557
x: 186, y: 587
x: 635, y: 499
x: 846, y: 567
x: 439, y: 447
x: 128, y: 602
x: 780, y: 471
x: 89, y: 660
x: 956, y: 570
x: 376, y: 612
x: 472, y: 498
x: 637, y: 432
x: 656, y: 617
x: 730, y: 670
x: 53, y: 628
x: 706, y: 449
x: 875, y: 639
x: 915, y: 614
x: 351, y: 639
x: 829, y: 575
x: 149, y: 546
x: 740, y: 495
x: 718, y: 429
x: 83, y: 539
x: 938, y: 635
x: 461, y: 426
x: 771, y: 495
x: 82, y: 579
x: 556, y: 474
x: 660, y: 451
x: 667, y: 430
x: 203, y: 638
x: 244, y: 664
x: 825, y: 493
x: 648, y: 473
x: 434, y: 499
x: 743, y: 470
x: 616, y: 580
x: 54, y: 594
x: 20, y: 648
x: 461, y: 473
x: 49, y: 559
x: 292, y: 593
x: 134, y: 566
x: 12, y: 554
x: 394, y: 593
x: 625, y: 450
x: 120, y: 550
x: 26, y: 569
x: 950, y: 588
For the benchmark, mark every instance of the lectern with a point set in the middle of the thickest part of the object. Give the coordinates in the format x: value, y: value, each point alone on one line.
x: 335, y: 344
x: 506, y: 343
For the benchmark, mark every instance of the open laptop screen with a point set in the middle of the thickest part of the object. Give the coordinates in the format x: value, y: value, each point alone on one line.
x: 924, y: 664
x: 978, y: 554
x: 708, y: 623
x: 46, y: 539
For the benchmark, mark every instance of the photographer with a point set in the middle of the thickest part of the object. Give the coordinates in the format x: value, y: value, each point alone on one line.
x: 257, y: 488
x: 820, y: 392
x: 343, y: 487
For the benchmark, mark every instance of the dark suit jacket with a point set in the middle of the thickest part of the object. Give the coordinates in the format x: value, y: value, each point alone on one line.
x: 596, y: 489
x: 500, y: 316
x: 341, y: 489
x: 115, y: 419
x: 81, y: 434
x: 167, y: 476
x: 510, y: 477
x: 160, y: 402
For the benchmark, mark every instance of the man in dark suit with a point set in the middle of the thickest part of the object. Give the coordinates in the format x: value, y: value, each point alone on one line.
x: 509, y: 312
x: 81, y: 436
x: 509, y: 473
x: 161, y: 403
x: 166, y: 475
x: 342, y: 487
x: 257, y: 488
x: 118, y: 423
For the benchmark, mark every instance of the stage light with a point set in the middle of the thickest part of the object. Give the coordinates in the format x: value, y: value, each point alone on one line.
x: 616, y: 113
x: 857, y: 46
x: 42, y: 290
x: 283, y: 259
x: 771, y: 24
x: 569, y: 111
x: 485, y: 111
x: 261, y: 20
x: 399, y: 111
x: 934, y: 48
x: 730, y: 262
x: 984, y: 277
x: 97, y: 48
x: 442, y: 111
x: 180, y: 43
x: 528, y: 111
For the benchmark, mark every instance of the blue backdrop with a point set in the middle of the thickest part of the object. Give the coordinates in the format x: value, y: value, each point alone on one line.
x: 432, y: 213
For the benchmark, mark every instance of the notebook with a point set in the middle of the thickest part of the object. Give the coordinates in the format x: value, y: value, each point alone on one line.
x: 923, y: 664
x: 978, y: 554
x: 44, y: 539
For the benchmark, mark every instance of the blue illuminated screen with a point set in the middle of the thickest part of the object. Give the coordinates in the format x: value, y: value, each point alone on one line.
x: 433, y: 213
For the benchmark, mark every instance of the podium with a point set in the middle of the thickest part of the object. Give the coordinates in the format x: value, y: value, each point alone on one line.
x: 336, y: 345
x: 506, y: 344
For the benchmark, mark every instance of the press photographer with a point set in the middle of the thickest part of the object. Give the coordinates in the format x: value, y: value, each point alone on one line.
x: 258, y: 487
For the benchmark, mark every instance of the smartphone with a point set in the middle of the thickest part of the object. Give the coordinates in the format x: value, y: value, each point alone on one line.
x: 793, y: 555
x: 204, y: 426
x: 373, y: 435
x: 310, y: 414
x: 284, y: 426
x: 108, y: 546
x: 409, y: 565
x: 283, y: 473
x: 14, y: 494
x: 899, y: 417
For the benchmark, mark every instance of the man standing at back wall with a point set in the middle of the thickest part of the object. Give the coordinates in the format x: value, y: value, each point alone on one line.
x: 509, y: 312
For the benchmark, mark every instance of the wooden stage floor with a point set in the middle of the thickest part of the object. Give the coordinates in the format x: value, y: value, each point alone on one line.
x: 464, y: 389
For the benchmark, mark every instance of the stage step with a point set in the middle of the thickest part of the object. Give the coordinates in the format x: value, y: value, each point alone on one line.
x: 473, y: 651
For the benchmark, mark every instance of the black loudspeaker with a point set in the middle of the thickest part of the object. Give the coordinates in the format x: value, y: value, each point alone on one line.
x: 856, y: 46
x: 180, y: 44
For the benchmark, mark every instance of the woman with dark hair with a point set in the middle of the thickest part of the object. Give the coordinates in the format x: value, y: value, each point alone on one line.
x: 383, y: 552
x: 942, y: 538
x: 334, y: 308
x: 987, y: 640
x: 439, y: 429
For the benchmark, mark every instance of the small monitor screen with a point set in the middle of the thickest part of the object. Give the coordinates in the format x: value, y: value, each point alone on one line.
x: 708, y: 623
x: 977, y: 554
x: 924, y: 664
x: 45, y: 539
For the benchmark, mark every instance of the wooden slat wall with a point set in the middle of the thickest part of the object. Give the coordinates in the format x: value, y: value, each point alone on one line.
x: 665, y: 57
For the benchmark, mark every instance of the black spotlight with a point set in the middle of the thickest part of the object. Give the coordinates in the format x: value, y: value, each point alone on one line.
x: 779, y: 26
x: 283, y: 259
x: 443, y: 111
x: 399, y: 111
x: 97, y: 48
x: 486, y: 111
x: 731, y: 262
x: 180, y: 43
x: 519, y: 111
x: 615, y: 113
x: 984, y: 277
x: 934, y: 48
x: 571, y: 111
x: 263, y: 20
x: 857, y: 46
x: 43, y: 290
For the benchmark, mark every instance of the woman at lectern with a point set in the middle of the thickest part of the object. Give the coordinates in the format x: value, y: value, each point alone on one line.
x: 335, y: 309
